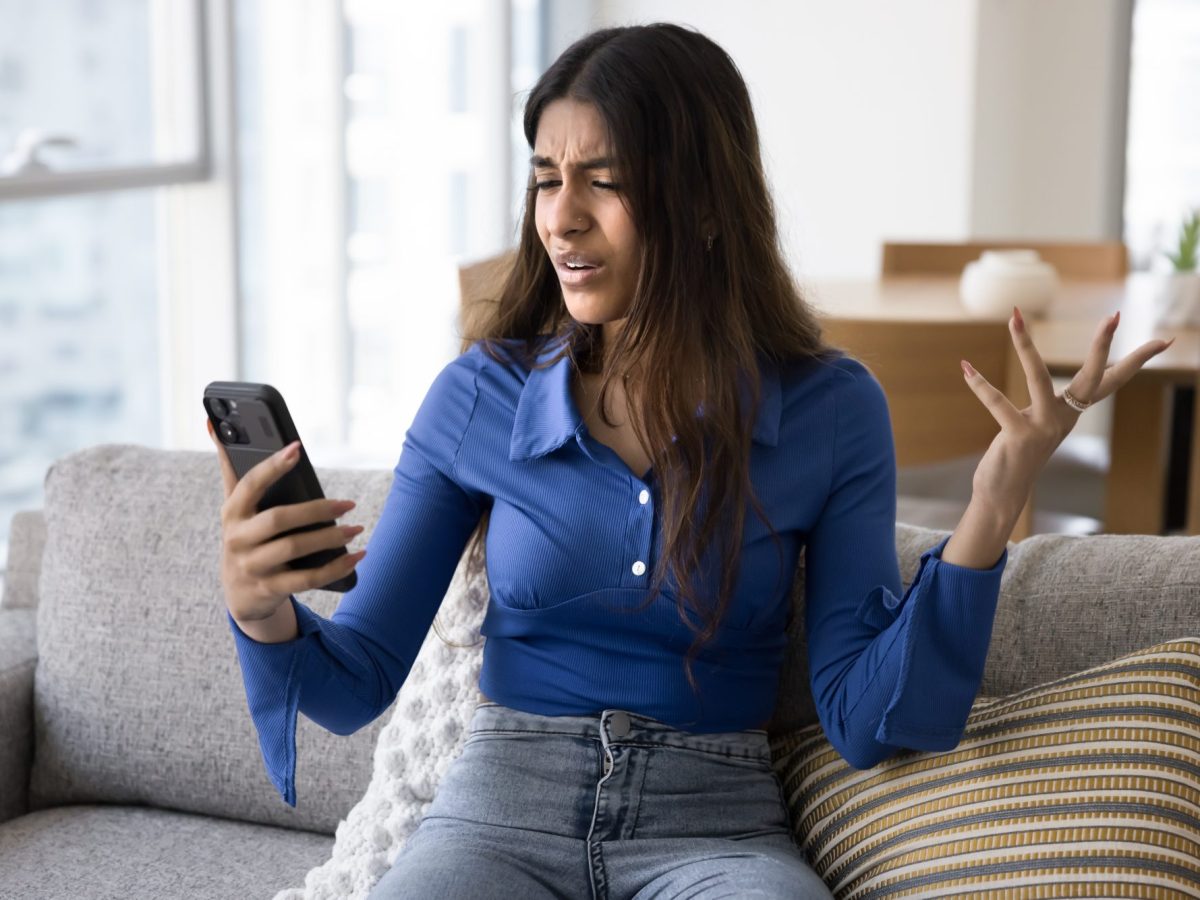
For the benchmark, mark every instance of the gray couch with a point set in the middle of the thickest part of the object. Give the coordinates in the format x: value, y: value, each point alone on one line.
x: 129, y: 766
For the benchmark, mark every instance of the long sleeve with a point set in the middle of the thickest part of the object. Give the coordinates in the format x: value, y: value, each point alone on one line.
x: 888, y: 671
x: 342, y: 672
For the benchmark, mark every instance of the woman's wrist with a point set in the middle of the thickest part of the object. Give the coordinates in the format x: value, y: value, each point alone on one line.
x: 279, y: 627
x: 981, y: 535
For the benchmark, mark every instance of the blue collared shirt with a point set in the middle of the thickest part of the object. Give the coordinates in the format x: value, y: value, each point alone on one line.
x: 572, y: 543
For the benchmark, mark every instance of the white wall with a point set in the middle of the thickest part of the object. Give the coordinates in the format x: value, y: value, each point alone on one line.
x: 1048, y: 154
x: 864, y: 109
x: 927, y: 119
x: 937, y: 119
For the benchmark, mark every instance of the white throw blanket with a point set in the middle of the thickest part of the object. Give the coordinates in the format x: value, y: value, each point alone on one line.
x: 425, y: 734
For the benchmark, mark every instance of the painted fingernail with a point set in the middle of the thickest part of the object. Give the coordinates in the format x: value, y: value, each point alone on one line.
x: 968, y: 371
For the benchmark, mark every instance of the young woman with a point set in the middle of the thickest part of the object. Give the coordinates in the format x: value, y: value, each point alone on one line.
x: 646, y: 437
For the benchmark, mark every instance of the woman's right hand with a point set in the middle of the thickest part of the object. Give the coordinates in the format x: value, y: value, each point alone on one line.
x: 254, y: 573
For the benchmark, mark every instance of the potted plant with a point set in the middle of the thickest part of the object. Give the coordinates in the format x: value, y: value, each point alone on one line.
x: 1183, y: 284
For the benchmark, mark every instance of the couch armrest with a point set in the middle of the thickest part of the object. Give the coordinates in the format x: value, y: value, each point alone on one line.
x: 18, y: 656
x: 26, y: 542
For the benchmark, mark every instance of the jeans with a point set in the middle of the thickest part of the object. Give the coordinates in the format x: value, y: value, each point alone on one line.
x: 610, y: 806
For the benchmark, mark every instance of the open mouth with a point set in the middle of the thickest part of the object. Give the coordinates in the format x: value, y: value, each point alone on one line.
x: 577, y: 274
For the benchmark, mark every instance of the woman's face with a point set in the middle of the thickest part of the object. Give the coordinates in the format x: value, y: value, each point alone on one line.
x: 581, y: 219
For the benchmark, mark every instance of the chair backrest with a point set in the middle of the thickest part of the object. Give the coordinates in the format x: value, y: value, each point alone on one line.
x: 1096, y: 259
x: 480, y: 283
x: 935, y: 415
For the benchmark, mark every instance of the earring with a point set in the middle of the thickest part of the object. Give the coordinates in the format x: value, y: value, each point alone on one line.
x: 709, y: 242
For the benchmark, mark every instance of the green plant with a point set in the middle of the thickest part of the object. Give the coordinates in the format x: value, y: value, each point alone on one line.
x: 1185, y: 259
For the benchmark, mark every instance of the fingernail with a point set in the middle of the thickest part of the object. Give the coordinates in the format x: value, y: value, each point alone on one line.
x: 1168, y: 343
x: 968, y: 370
x: 291, y: 451
x: 1020, y: 323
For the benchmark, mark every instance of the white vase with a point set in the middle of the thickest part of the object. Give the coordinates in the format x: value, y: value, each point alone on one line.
x: 1001, y: 279
x: 1181, y: 299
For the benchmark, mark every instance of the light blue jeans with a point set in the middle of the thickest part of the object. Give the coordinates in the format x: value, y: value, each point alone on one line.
x: 611, y: 806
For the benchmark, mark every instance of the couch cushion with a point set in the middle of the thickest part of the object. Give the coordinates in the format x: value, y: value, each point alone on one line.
x: 138, y: 696
x: 1087, y: 781
x: 140, y: 853
x: 1069, y: 602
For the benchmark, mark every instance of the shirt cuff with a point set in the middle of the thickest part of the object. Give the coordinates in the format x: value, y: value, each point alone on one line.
x: 270, y: 674
x: 950, y: 612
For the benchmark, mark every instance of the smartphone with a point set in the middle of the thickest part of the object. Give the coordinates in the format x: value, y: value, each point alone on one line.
x: 252, y: 422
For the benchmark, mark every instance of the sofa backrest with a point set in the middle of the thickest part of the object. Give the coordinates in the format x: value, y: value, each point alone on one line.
x: 1067, y: 603
x: 138, y: 697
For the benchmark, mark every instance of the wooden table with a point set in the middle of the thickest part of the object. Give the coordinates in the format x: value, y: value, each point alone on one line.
x: 1136, y: 495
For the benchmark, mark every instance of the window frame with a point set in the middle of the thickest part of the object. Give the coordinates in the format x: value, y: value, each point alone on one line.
x: 175, y: 35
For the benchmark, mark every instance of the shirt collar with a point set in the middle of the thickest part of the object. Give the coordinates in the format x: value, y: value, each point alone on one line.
x: 546, y: 417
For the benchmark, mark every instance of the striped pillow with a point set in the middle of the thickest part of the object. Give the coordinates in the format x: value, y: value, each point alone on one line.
x: 1088, y: 785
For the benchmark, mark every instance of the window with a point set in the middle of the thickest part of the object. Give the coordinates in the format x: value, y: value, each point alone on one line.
x: 373, y: 161
x: 367, y: 151
x: 99, y: 95
x: 1163, y: 152
x: 94, y: 97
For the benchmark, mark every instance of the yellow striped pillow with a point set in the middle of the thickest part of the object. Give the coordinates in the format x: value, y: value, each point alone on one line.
x: 1085, y: 786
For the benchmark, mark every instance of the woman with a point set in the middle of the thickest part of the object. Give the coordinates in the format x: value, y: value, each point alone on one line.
x: 649, y: 377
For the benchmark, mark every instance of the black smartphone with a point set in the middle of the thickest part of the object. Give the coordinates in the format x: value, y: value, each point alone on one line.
x: 252, y: 422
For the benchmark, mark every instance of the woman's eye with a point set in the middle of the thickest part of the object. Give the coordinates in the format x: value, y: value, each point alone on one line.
x: 543, y: 185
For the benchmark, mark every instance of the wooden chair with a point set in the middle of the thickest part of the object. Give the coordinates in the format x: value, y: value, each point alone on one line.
x: 1096, y: 259
x: 935, y: 417
x: 1080, y: 464
x: 479, y: 283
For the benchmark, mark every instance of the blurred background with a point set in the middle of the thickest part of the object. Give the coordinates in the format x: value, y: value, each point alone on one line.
x: 283, y: 190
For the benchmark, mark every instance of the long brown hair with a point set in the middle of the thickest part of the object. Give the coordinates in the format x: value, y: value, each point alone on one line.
x: 706, y: 312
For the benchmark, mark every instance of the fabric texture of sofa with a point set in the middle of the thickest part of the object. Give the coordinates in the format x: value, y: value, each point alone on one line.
x: 129, y: 766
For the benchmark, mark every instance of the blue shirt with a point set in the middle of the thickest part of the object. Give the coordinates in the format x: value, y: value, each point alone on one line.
x: 572, y: 543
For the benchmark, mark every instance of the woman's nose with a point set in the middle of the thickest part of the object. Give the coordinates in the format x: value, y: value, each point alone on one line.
x: 567, y: 212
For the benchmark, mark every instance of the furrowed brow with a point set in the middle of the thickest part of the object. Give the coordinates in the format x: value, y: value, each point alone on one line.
x: 544, y: 162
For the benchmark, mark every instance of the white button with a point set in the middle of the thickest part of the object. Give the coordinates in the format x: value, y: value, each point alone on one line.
x: 639, y: 567
x: 644, y: 497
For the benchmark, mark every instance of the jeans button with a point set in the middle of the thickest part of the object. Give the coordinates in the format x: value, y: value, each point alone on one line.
x: 618, y: 725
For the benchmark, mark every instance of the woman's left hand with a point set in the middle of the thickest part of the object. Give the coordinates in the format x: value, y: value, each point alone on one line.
x: 1028, y: 436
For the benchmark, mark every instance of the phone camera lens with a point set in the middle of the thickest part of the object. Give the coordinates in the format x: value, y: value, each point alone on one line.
x: 228, y: 432
x: 220, y: 407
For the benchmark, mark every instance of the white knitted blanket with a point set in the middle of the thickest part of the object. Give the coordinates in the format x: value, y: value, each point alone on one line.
x: 425, y: 734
